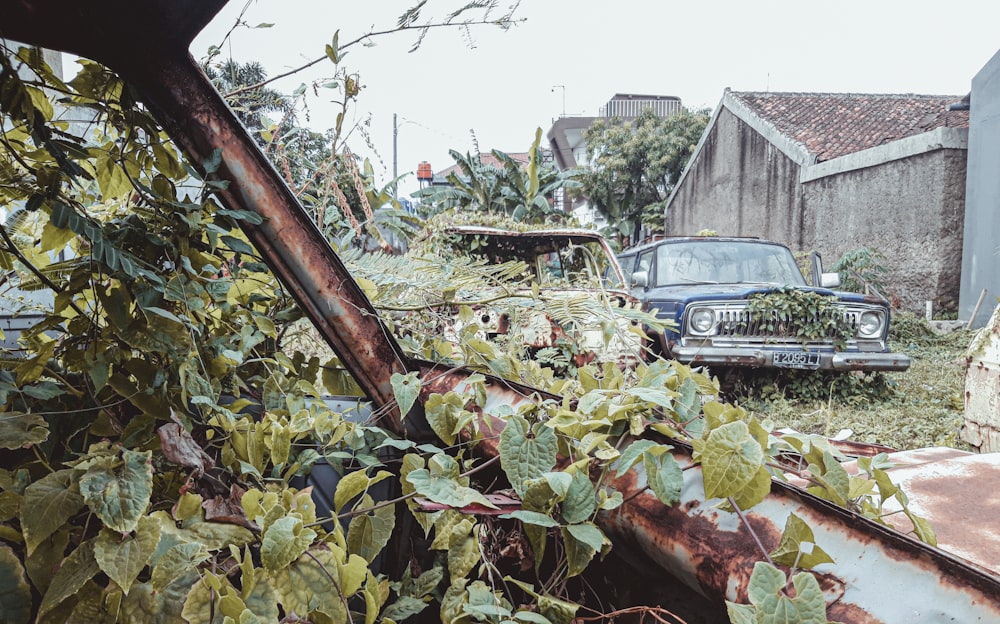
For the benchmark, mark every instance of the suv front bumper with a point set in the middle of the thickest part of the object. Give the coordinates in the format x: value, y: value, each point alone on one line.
x: 764, y: 358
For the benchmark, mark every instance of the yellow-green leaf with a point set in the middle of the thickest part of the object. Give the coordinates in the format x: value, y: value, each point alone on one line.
x: 730, y: 459
x: 368, y: 533
x: 353, y: 484
x: 123, y: 558
x: 522, y: 457
x: 76, y: 569
x: 178, y: 560
x: 15, y: 594
x: 19, y: 430
x: 284, y: 541
x: 118, y: 490
x: 48, y: 504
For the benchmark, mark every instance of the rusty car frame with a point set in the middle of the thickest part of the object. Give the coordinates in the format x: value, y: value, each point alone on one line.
x: 882, y: 575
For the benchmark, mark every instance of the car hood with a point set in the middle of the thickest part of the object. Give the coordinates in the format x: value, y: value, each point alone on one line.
x: 695, y: 292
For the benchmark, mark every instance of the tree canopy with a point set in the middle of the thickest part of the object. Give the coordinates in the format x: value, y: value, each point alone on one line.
x: 634, y: 165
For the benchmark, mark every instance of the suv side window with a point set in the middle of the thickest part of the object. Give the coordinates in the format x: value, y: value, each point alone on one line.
x: 645, y: 262
x: 626, y: 262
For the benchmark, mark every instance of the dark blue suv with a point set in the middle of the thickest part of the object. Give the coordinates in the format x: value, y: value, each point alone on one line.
x: 708, y: 286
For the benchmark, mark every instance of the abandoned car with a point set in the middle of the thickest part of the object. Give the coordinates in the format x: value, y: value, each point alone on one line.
x: 742, y: 302
x: 575, y: 269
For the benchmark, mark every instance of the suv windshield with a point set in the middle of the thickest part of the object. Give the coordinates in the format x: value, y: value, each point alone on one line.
x: 718, y: 262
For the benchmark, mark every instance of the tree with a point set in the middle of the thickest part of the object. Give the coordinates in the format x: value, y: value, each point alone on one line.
x: 634, y: 165
x: 523, y: 192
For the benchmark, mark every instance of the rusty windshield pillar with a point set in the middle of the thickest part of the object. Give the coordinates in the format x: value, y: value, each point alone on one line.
x: 147, y: 43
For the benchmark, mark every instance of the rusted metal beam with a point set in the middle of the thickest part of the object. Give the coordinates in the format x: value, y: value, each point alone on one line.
x: 147, y: 43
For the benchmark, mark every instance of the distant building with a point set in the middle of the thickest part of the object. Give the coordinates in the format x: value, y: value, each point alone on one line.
x: 569, y: 149
x: 835, y: 172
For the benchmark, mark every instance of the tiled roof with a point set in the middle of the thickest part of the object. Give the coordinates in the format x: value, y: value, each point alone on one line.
x: 830, y: 125
x: 490, y: 160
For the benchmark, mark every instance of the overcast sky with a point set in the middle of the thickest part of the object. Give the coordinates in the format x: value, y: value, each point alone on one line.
x: 570, y: 56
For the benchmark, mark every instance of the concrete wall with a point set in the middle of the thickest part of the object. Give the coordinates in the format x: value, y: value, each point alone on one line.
x: 906, y: 201
x: 982, y: 225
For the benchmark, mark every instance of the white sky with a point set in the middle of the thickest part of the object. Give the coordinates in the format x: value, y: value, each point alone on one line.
x: 504, y: 87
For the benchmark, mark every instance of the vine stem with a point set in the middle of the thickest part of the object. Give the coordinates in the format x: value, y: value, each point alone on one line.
x: 340, y: 592
x: 753, y: 534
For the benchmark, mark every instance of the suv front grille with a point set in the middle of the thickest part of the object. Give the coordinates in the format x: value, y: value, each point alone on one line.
x: 741, y: 323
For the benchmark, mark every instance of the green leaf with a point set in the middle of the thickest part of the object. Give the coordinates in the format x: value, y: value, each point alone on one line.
x: 632, y: 454
x: 118, y: 491
x: 741, y: 614
x: 522, y: 457
x: 353, y: 484
x: 440, y: 484
x: 579, y: 552
x: 404, y: 607
x: 146, y: 606
x: 443, y: 413
x: 406, y: 389
x: 176, y: 562
x: 368, y: 533
x: 463, y: 549
x: 664, y: 477
x: 46, y: 558
x: 211, y: 600
x: 353, y: 573
x: 78, y: 568
x: 284, y: 541
x: 122, y: 559
x: 730, y: 459
x: 22, y: 430
x: 807, y: 607
x: 532, y: 517
x: 15, y: 594
x: 48, y: 504
x: 798, y: 546
x: 765, y: 580
x: 304, y: 586
x: 581, y: 499
x: 836, y: 483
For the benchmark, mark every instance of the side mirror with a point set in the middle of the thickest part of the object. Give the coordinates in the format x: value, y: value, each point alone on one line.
x: 829, y: 280
x: 640, y: 279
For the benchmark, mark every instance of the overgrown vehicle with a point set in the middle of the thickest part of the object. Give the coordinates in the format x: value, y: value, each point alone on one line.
x: 742, y: 302
x: 563, y: 293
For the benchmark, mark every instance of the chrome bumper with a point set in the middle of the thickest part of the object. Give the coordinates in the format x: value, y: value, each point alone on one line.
x: 755, y: 358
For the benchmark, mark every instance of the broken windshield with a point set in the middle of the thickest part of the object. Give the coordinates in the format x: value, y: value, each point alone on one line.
x: 722, y: 262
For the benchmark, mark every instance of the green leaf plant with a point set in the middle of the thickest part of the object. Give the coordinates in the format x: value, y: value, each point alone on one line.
x: 158, y: 426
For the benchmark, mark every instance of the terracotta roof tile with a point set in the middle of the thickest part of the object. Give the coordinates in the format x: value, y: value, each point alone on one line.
x: 830, y: 125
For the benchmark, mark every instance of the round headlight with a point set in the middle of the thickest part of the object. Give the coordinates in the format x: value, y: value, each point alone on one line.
x: 702, y: 320
x: 870, y: 324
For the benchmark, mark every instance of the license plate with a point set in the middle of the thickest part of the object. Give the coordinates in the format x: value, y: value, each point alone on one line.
x: 796, y: 359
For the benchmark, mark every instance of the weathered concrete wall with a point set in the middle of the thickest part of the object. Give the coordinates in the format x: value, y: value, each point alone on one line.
x: 739, y: 185
x: 982, y: 227
x: 910, y: 209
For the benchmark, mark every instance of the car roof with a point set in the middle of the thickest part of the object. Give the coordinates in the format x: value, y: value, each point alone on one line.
x: 699, y: 239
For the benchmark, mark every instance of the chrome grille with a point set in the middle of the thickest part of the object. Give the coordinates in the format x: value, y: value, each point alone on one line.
x: 741, y: 323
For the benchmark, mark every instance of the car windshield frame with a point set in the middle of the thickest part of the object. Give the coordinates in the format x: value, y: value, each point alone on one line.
x: 726, y: 262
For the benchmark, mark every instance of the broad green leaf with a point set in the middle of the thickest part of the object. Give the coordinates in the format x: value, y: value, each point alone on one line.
x: 122, y: 559
x: 741, y: 614
x: 664, y: 477
x: 588, y: 533
x: 632, y: 454
x: 353, y: 574
x: 118, y: 490
x: 753, y: 492
x: 406, y: 389
x: 15, y: 594
x: 836, y: 483
x: 48, y: 504
x: 579, y: 552
x: 730, y: 459
x: 484, y: 604
x: 765, y: 580
x: 46, y: 557
x: 443, y: 413
x: 214, y: 600
x: 284, y: 541
x: 179, y: 560
x: 581, y: 499
x: 368, y: 533
x: 441, y: 484
x: 526, y: 455
x: 404, y: 607
x: 463, y: 549
x: 304, y: 586
x: 532, y: 517
x: 807, y: 607
x: 798, y: 546
x: 143, y: 605
x: 78, y: 568
x: 353, y: 484
x: 212, y: 535
x: 19, y: 430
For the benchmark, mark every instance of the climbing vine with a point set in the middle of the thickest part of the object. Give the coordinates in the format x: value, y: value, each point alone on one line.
x: 160, y: 436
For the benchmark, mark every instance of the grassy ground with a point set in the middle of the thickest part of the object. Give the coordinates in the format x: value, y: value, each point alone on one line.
x: 920, y: 407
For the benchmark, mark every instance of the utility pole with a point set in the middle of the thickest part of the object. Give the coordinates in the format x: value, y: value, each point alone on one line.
x: 395, y: 158
x: 563, y: 87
